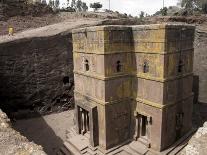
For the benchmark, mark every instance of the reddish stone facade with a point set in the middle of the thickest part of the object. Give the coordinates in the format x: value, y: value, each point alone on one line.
x: 133, y: 83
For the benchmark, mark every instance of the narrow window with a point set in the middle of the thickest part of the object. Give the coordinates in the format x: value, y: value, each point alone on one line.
x: 145, y: 67
x: 118, y: 66
x: 86, y: 65
x: 180, y: 66
x: 179, y: 120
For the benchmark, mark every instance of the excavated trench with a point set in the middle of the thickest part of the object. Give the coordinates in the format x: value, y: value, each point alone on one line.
x: 36, y: 75
x: 36, y: 79
x: 36, y: 85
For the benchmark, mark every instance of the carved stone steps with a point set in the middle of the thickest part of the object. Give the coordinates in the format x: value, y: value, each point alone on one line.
x: 72, y: 149
x: 90, y: 152
x: 138, y: 147
x: 79, y: 142
x: 144, y: 142
x: 130, y: 151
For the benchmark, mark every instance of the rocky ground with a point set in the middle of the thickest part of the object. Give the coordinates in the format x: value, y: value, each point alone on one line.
x: 13, y: 143
x: 20, y: 23
x: 51, y: 30
x: 198, y: 143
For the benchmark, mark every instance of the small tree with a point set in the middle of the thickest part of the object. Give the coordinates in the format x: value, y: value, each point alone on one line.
x: 164, y: 11
x: 141, y: 14
x: 204, y: 7
x: 188, y: 4
x: 96, y: 6
x: 51, y: 3
x: 73, y: 4
x: 79, y: 5
x: 192, y: 5
x: 84, y: 7
x: 57, y: 3
x: 68, y: 2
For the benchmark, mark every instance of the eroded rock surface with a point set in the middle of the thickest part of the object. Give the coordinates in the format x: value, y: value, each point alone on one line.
x: 200, y: 64
x: 36, y: 68
x: 198, y: 143
x: 13, y: 143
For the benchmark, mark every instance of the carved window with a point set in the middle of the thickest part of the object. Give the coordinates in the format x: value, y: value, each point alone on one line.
x: 118, y: 66
x: 86, y: 65
x: 145, y: 67
x: 179, y: 120
x: 180, y: 66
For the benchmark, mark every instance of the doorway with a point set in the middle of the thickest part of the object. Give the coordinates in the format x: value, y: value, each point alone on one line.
x: 86, y: 118
x: 143, y: 126
x: 84, y: 121
x: 142, y: 129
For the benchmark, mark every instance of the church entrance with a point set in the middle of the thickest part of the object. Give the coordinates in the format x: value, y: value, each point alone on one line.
x: 84, y: 121
x: 87, y: 122
x: 142, y: 129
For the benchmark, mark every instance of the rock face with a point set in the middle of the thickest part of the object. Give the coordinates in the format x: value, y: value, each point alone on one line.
x: 11, y: 142
x: 35, y: 72
x: 198, y: 143
x: 200, y: 64
x: 36, y: 67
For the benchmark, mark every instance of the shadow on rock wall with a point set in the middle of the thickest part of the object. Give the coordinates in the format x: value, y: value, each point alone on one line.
x: 36, y: 73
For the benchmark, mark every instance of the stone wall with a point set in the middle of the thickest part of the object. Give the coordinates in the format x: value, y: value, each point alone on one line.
x: 11, y: 142
x: 200, y: 65
x: 34, y: 72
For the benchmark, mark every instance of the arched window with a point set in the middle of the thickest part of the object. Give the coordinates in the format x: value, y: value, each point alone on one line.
x: 180, y: 66
x: 145, y: 67
x: 86, y: 65
x: 118, y: 66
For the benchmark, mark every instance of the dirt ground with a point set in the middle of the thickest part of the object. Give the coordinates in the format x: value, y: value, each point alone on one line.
x: 52, y: 29
x: 21, y: 23
x: 48, y: 131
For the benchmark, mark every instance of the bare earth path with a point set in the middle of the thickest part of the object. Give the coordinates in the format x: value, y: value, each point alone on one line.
x: 51, y: 30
